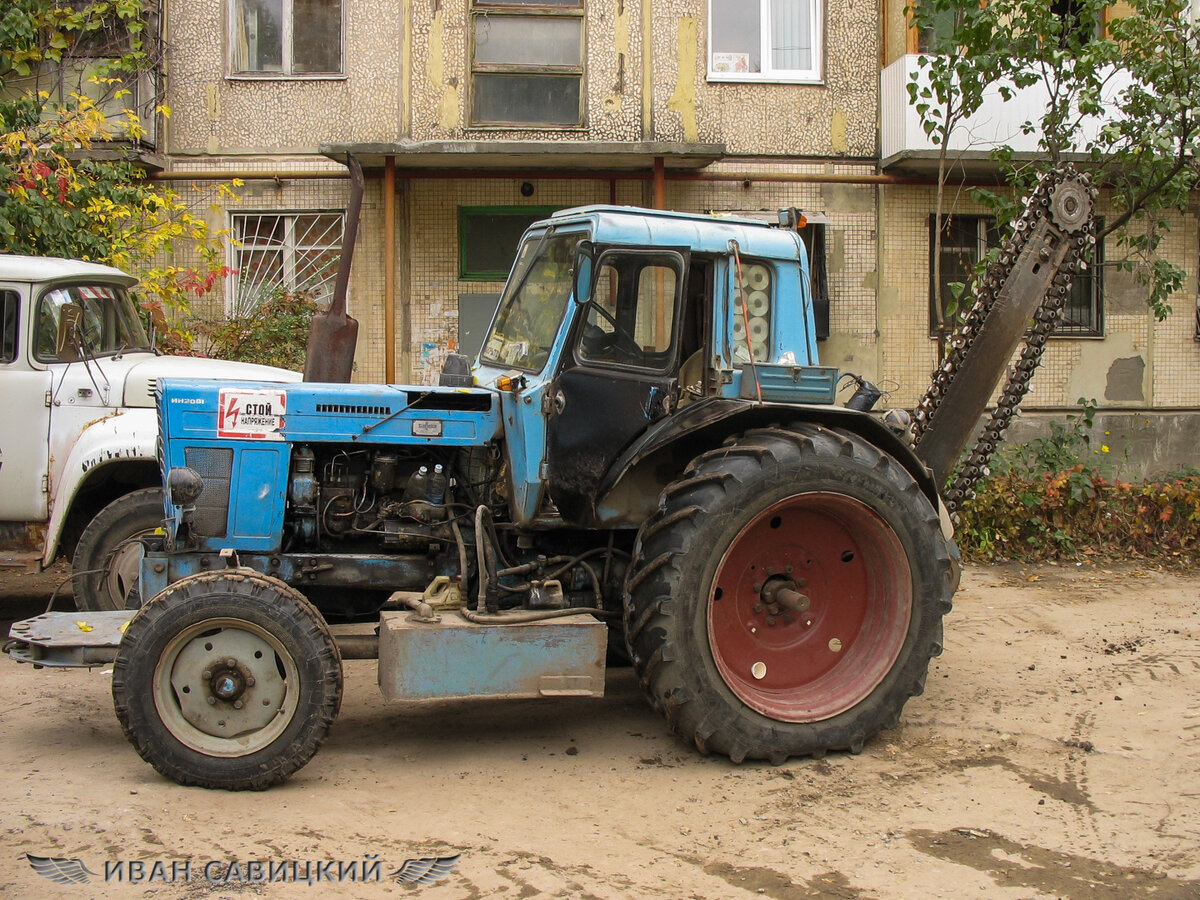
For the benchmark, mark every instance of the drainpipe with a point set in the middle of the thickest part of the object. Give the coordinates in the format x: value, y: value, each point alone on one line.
x: 660, y: 183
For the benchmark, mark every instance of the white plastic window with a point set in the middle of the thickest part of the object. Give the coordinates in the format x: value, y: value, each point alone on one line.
x: 765, y: 40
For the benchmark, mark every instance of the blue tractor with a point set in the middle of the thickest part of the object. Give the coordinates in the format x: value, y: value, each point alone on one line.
x: 644, y: 464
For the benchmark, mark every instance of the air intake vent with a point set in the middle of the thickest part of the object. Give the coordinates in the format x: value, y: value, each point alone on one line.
x: 345, y: 409
x: 215, y: 466
x: 152, y: 388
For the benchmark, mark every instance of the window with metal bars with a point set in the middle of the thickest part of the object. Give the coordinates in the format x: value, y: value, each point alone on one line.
x: 295, y: 253
x: 966, y: 239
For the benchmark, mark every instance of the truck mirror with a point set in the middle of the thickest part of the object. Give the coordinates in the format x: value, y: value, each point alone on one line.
x: 66, y: 341
x: 581, y: 277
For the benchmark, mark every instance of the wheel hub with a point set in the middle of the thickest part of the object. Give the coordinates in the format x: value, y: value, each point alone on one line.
x: 780, y: 600
x: 225, y: 687
x: 228, y: 684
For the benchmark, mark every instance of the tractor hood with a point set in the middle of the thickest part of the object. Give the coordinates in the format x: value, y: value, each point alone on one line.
x: 145, y: 371
x: 362, y: 414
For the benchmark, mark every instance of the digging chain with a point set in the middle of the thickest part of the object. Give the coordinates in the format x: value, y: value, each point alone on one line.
x: 1059, y: 195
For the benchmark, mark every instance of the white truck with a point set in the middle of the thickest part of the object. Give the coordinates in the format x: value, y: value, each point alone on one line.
x: 78, y: 432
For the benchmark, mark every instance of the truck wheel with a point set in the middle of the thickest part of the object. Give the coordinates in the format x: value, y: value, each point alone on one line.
x: 227, y: 680
x: 788, y: 594
x: 108, y: 550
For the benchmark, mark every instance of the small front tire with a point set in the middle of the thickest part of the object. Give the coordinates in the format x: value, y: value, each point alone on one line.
x: 227, y: 680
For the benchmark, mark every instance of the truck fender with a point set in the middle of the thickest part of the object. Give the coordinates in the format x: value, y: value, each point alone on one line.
x: 708, y: 422
x: 127, y: 436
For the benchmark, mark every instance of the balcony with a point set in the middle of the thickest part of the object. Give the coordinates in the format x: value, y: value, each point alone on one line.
x: 906, y: 149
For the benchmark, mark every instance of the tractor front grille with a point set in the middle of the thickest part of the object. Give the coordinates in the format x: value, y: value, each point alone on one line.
x: 215, y: 466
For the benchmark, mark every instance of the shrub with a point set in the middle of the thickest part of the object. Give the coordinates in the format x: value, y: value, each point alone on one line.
x: 1078, y: 512
x: 275, y: 333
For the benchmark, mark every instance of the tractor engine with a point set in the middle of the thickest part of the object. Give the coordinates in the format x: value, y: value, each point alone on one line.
x: 378, y: 498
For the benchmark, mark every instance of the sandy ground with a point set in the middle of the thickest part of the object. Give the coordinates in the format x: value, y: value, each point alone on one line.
x: 1054, y: 754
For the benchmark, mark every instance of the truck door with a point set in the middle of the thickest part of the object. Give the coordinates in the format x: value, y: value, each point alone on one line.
x: 619, y: 374
x: 24, y: 450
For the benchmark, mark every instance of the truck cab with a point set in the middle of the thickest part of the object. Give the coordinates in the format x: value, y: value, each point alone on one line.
x: 79, y: 376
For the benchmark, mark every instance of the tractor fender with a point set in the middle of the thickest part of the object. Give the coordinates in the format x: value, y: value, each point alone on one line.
x: 119, y: 439
x: 707, y: 423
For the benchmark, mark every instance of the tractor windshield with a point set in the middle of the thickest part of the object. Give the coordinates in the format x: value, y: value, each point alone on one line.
x: 533, y: 304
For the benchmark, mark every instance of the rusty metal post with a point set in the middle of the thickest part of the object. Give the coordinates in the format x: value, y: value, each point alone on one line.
x: 389, y: 269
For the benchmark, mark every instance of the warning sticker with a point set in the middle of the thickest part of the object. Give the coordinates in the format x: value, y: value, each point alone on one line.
x: 252, y: 414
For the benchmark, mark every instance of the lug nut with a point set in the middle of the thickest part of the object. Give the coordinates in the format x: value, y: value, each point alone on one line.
x: 249, y: 682
x: 212, y: 701
x: 237, y: 704
x: 206, y: 674
x: 231, y: 662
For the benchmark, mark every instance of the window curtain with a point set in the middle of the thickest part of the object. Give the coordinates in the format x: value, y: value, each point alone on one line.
x: 791, y: 34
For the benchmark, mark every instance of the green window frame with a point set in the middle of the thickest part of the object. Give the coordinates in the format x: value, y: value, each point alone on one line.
x: 504, y: 225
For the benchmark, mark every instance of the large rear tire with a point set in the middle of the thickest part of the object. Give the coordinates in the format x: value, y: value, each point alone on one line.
x: 227, y: 680
x: 788, y: 594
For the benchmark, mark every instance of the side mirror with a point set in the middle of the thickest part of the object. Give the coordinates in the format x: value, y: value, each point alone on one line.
x: 581, y: 277
x: 66, y: 341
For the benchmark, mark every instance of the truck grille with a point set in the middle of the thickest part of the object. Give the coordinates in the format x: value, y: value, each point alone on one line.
x: 215, y: 466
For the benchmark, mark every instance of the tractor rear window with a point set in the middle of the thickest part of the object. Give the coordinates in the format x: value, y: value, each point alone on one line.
x: 754, y: 319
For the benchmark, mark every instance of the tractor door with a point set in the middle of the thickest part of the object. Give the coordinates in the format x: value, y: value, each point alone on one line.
x: 620, y: 373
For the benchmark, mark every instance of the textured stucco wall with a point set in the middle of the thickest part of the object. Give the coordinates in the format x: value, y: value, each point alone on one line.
x: 212, y: 114
x: 835, y: 118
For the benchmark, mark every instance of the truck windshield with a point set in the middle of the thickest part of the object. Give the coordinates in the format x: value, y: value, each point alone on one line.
x: 533, y: 304
x: 109, y: 324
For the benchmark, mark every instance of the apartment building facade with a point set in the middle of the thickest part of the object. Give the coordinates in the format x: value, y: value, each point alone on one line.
x: 474, y: 117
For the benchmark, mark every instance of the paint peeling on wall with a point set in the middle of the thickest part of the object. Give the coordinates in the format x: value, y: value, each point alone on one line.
x: 683, y: 98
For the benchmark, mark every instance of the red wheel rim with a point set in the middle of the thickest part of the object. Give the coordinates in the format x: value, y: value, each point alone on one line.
x: 851, y: 567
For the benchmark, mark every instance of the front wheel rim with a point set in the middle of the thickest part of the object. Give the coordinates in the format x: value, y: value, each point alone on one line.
x: 810, y: 607
x: 226, y: 687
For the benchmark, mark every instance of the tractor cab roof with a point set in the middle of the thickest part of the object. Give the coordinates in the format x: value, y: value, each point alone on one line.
x: 699, y: 233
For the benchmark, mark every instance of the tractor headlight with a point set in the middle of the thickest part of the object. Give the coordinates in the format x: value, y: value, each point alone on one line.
x: 184, y: 485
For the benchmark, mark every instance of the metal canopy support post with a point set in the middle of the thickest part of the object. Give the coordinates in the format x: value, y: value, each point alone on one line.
x: 389, y: 270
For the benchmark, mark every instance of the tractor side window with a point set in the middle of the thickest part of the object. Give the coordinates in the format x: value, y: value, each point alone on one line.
x: 631, y: 315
